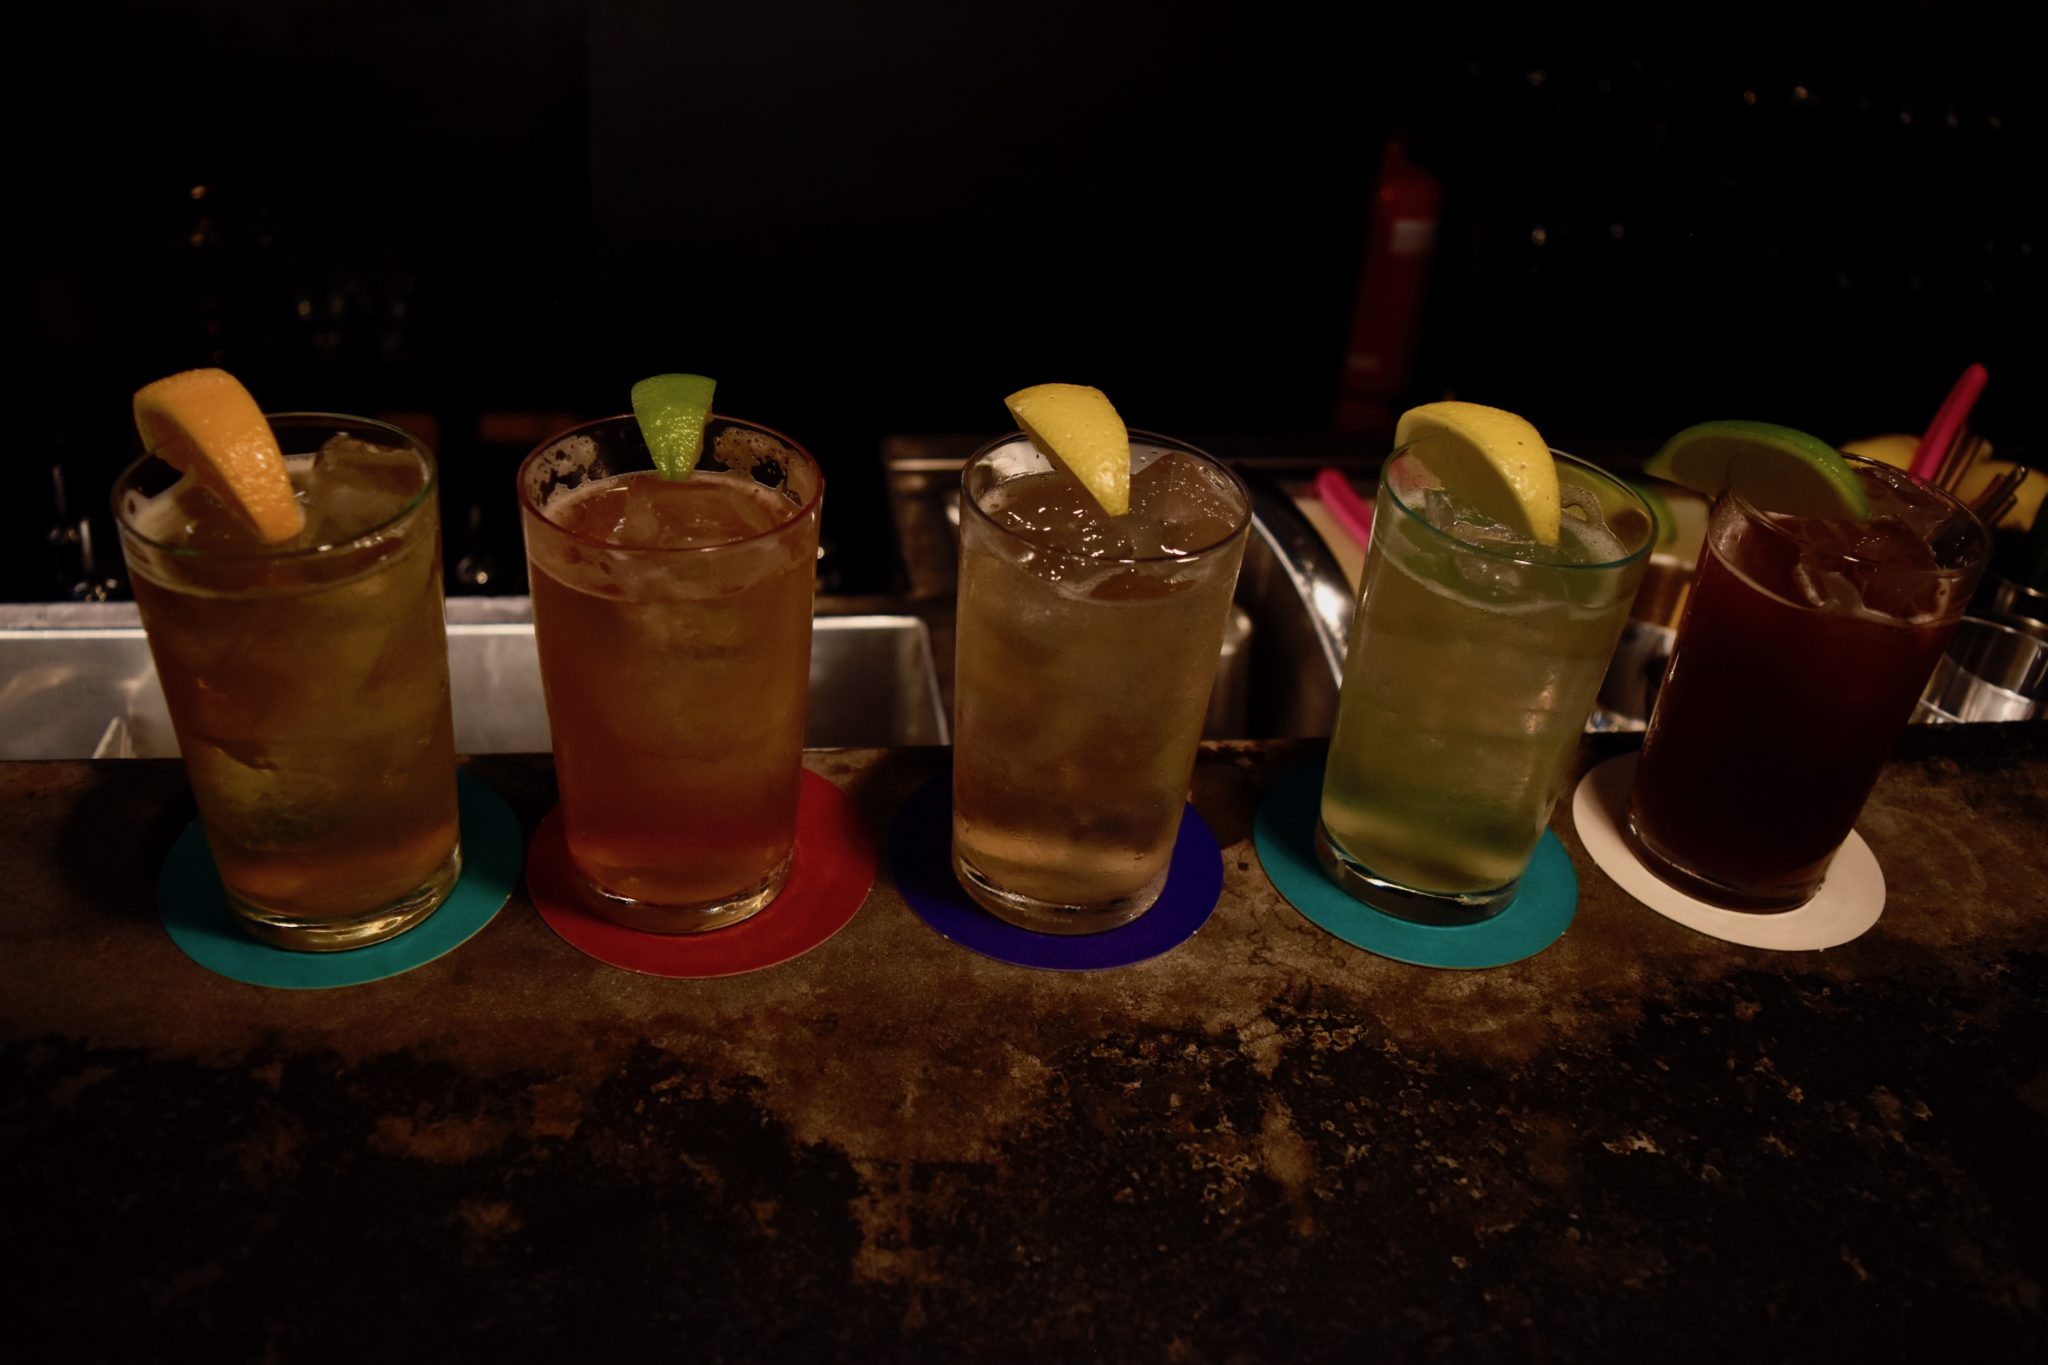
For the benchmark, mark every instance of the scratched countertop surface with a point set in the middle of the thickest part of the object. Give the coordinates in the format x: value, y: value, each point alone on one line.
x: 1264, y: 1145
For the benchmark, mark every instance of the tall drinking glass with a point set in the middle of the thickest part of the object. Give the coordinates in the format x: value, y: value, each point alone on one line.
x: 674, y: 624
x: 1475, y: 657
x: 308, y: 682
x: 1803, y: 649
x: 1087, y: 648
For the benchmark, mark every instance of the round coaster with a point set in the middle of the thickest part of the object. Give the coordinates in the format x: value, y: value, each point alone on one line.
x: 1848, y: 903
x: 1284, y: 833
x: 195, y: 910
x: 921, y: 861
x: 829, y: 877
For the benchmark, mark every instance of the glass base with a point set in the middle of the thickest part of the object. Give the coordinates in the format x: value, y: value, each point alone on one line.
x: 1702, y: 888
x: 333, y: 935
x: 652, y: 917
x: 1361, y: 883
x: 1054, y: 917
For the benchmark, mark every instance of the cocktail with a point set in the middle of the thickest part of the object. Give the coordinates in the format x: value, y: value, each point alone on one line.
x: 1807, y: 638
x: 673, y: 616
x: 1497, y: 582
x: 290, y: 585
x: 1087, y: 647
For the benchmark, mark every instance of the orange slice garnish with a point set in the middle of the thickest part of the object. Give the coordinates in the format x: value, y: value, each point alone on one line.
x: 204, y: 423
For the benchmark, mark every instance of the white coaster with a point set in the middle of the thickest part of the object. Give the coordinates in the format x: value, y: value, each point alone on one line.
x: 1849, y: 900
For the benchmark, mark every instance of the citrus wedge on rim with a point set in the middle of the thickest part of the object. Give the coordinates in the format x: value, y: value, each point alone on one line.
x: 1774, y: 468
x: 1489, y: 459
x: 671, y: 410
x: 1080, y: 431
x: 205, y: 424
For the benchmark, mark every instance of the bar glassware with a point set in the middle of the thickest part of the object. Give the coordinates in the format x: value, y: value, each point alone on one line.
x: 673, y: 619
x: 1087, y: 647
x: 308, y: 683
x: 1803, y: 650
x: 1475, y: 658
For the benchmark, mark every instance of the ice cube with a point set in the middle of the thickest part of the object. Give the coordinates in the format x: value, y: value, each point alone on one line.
x: 640, y: 521
x: 1903, y: 595
x: 265, y: 805
x: 1890, y: 543
x: 1191, y: 508
x: 342, y: 513
x: 1477, y: 531
x: 1580, y: 503
x: 390, y: 469
x: 1587, y: 542
x: 1438, y: 509
x: 1955, y: 540
x: 1895, y: 570
x: 168, y: 518
x: 350, y: 487
x: 1824, y: 588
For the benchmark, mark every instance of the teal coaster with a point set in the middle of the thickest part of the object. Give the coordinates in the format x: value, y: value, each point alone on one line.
x: 1284, y: 832
x: 194, y: 906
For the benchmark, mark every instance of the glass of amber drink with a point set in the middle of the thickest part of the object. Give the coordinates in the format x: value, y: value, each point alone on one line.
x: 1086, y: 651
x: 673, y: 618
x: 307, y: 681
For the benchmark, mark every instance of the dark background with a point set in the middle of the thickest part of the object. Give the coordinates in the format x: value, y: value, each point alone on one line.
x: 878, y: 218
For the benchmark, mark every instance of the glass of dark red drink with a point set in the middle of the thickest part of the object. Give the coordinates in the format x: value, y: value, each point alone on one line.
x: 1803, y: 648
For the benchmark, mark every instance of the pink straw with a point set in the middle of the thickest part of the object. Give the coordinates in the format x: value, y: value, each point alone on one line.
x: 1955, y: 410
x: 1347, y: 509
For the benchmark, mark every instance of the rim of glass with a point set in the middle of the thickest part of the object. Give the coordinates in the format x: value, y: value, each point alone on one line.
x: 297, y: 419
x: 1509, y: 557
x: 799, y: 511
x: 1153, y: 438
x: 1774, y: 522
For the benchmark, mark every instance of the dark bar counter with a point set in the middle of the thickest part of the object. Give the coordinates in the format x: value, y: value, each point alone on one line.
x: 1265, y: 1145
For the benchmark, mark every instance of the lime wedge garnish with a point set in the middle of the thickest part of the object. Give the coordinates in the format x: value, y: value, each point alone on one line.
x: 1076, y: 426
x: 671, y: 410
x: 1774, y: 468
x: 205, y: 423
x: 1490, y: 460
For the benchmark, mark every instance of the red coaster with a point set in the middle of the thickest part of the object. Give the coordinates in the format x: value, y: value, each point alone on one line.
x: 828, y: 880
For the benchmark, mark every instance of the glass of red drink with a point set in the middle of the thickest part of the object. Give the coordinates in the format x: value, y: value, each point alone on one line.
x: 673, y: 619
x: 1803, y: 649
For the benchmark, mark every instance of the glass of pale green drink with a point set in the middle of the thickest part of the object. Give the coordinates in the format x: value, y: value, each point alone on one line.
x: 1476, y: 654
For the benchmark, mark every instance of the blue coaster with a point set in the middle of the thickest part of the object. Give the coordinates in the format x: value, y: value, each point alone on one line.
x: 921, y: 862
x: 1284, y: 832
x: 195, y: 910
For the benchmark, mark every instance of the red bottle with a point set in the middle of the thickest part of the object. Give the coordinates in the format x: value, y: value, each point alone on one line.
x: 1387, y: 319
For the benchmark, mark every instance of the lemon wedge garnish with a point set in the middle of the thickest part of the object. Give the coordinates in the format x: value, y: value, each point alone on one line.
x: 1076, y: 426
x: 1490, y: 460
x: 204, y: 423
